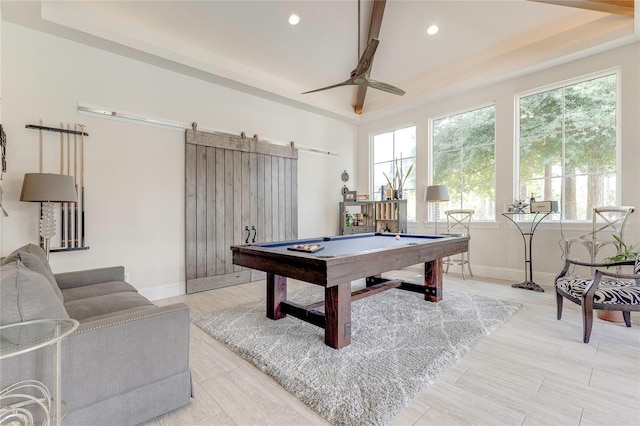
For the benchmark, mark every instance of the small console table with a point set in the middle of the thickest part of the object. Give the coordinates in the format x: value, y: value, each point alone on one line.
x: 20, y: 338
x: 534, y: 221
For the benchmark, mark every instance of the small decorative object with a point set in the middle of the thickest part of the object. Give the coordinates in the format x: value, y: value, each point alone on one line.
x: 345, y: 176
x: 306, y: 248
x: 349, y: 195
x: 349, y: 219
x: 344, y: 189
x: 383, y: 193
x: 519, y: 206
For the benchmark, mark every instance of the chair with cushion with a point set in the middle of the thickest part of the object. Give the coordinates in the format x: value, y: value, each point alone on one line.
x: 606, y: 289
x: 606, y: 221
x: 458, y: 223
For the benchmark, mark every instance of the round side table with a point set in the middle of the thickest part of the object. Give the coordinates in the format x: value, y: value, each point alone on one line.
x: 20, y: 338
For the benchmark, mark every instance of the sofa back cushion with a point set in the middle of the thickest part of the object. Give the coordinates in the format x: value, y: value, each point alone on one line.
x: 34, y: 258
x: 26, y: 295
x: 29, y: 248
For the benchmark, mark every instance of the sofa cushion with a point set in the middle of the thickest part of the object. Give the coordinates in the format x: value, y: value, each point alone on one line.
x: 84, y: 292
x: 34, y: 258
x: 89, y: 307
x: 27, y: 295
x: 34, y: 263
x: 29, y: 248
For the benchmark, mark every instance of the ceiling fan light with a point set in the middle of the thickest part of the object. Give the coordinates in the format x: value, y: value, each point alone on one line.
x: 433, y: 29
x: 294, y: 19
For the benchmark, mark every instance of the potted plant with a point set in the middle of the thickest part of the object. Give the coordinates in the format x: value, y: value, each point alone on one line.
x: 625, y: 252
x: 399, y: 178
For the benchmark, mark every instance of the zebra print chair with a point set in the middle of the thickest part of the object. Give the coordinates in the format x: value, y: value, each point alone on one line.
x: 605, y: 290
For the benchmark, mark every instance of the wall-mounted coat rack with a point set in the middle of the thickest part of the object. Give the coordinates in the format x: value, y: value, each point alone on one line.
x: 72, y: 215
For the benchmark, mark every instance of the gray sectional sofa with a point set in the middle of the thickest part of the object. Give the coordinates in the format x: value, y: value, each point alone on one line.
x: 126, y: 363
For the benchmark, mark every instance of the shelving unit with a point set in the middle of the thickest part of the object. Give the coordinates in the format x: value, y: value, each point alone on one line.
x: 373, y: 216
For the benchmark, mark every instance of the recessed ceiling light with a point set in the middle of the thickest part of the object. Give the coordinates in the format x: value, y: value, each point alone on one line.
x: 433, y: 29
x: 294, y: 19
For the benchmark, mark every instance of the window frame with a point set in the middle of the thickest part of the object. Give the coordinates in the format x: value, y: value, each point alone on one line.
x: 559, y: 85
x: 372, y: 164
x: 430, y: 154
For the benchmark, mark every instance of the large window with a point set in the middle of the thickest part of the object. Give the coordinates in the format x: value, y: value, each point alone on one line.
x: 567, y: 146
x: 464, y: 160
x: 394, y: 158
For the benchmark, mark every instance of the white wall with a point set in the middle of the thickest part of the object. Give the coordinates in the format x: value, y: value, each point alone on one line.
x: 135, y: 173
x: 496, y: 248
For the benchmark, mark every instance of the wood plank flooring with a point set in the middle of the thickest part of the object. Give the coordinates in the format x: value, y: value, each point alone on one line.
x: 533, y: 370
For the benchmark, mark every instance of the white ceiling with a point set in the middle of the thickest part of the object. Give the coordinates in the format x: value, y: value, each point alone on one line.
x: 249, y: 45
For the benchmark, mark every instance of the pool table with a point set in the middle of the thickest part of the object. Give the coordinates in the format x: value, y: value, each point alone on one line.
x: 339, y: 261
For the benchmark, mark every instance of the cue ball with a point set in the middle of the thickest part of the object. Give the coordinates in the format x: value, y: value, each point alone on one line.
x: 397, y: 237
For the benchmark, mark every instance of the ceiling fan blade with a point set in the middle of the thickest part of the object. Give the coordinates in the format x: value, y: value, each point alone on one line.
x: 374, y: 31
x: 344, y: 83
x: 385, y: 87
x: 364, y: 64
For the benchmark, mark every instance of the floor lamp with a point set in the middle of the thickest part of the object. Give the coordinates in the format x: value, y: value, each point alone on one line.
x: 436, y: 194
x: 48, y: 188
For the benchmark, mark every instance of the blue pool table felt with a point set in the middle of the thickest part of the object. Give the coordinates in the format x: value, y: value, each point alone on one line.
x: 352, y: 244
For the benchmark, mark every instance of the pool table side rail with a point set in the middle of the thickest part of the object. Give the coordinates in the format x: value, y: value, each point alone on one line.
x: 330, y: 271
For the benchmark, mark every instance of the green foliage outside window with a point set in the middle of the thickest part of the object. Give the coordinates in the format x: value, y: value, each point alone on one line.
x: 464, y: 160
x: 567, y: 146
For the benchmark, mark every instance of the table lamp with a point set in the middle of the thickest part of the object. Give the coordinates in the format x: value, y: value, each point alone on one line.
x: 48, y: 188
x: 436, y: 194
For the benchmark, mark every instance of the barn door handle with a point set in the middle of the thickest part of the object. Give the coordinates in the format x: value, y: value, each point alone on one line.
x: 255, y: 231
x: 246, y: 240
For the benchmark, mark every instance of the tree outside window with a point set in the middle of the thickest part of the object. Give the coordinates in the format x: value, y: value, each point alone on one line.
x: 567, y: 146
x: 391, y: 150
x: 464, y: 160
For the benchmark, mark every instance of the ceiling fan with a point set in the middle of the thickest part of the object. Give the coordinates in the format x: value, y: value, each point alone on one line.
x: 360, y: 75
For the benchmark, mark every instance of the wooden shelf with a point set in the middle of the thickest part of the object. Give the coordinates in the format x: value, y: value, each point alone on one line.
x: 377, y: 216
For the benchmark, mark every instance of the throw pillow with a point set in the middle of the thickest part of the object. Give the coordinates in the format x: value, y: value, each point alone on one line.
x: 34, y: 263
x: 29, y: 248
x: 26, y: 295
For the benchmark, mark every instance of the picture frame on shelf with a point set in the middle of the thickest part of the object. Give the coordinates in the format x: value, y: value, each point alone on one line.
x: 349, y: 195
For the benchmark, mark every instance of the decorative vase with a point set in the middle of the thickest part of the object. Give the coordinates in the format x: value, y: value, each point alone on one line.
x: 395, y: 194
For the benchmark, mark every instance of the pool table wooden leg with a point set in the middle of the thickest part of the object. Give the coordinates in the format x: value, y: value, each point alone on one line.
x: 433, y: 279
x: 276, y: 293
x: 337, y: 332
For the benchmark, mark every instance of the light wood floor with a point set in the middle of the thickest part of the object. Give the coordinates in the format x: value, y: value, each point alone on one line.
x: 533, y: 370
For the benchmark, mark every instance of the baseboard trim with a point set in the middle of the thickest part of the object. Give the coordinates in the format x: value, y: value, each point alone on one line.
x: 164, y: 291
x: 506, y: 274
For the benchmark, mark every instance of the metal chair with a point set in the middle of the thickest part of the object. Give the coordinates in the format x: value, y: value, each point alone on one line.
x: 607, y: 221
x: 458, y: 223
x: 605, y: 290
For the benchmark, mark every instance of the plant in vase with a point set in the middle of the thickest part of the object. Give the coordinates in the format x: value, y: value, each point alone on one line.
x: 625, y: 252
x: 399, y: 178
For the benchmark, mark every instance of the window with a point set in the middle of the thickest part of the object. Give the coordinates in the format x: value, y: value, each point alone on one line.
x: 394, y: 155
x: 567, y: 146
x: 464, y: 160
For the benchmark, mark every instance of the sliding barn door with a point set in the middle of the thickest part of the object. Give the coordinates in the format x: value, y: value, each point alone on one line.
x: 238, y: 191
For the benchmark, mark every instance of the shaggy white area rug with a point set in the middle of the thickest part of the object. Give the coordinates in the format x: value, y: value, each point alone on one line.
x: 400, y: 344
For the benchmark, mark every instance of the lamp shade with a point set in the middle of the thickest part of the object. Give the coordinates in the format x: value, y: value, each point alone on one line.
x: 48, y: 187
x: 436, y: 193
